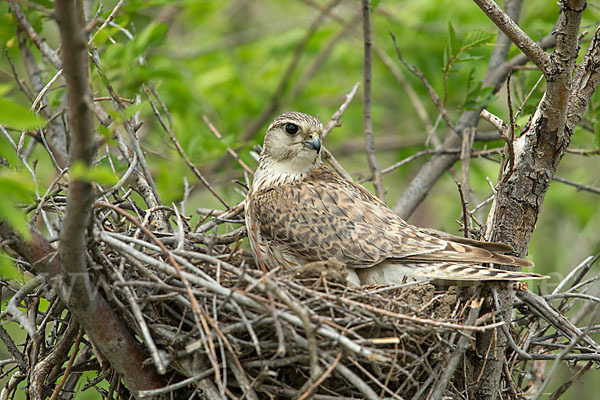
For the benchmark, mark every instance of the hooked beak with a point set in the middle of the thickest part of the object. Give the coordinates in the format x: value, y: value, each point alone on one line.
x: 313, y: 142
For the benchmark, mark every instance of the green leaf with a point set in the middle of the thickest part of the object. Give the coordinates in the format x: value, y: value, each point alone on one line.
x: 101, y: 173
x: 18, y: 117
x: 8, y: 269
x: 453, y: 42
x: 152, y: 35
x: 16, y: 188
x: 477, y: 37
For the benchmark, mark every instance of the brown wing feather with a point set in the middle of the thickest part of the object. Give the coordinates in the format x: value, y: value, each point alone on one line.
x: 326, y: 216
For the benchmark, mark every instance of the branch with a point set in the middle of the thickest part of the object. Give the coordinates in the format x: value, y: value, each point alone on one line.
x: 99, y: 321
x: 40, y: 42
x: 367, y: 121
x: 84, y: 301
x: 531, y: 49
x: 428, y: 175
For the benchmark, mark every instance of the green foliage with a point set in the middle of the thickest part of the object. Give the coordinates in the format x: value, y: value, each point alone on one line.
x: 17, y: 116
x: 462, y: 51
x: 17, y: 188
x: 101, y: 174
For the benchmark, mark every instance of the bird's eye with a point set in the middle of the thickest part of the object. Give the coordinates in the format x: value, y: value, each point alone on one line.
x: 291, y: 129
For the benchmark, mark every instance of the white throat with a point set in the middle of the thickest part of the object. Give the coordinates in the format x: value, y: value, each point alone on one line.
x: 272, y: 173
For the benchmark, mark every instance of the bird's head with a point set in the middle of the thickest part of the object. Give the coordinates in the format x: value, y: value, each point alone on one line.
x: 293, y: 143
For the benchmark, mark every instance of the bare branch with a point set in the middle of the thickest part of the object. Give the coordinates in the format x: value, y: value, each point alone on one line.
x: 531, y: 49
x: 367, y: 120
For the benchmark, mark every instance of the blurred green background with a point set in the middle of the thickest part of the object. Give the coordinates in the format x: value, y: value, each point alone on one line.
x: 226, y: 60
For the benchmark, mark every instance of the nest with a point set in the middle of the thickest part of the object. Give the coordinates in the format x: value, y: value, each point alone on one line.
x: 214, y: 323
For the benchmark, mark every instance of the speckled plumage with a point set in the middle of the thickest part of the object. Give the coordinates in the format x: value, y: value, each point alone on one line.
x: 298, y: 211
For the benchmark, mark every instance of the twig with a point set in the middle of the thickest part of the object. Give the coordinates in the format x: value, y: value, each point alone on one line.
x: 183, y: 154
x: 465, y: 210
x: 565, y: 386
x: 323, y: 376
x: 231, y: 152
x: 40, y: 42
x: 367, y: 119
x: 43, y: 92
x: 277, y: 96
x: 12, y: 307
x: 440, y: 386
x: 62, y: 382
x: 335, y: 118
x: 175, y: 386
x: 528, y: 97
x: 579, y: 186
x: 434, y: 97
x: 465, y: 161
x: 563, y: 353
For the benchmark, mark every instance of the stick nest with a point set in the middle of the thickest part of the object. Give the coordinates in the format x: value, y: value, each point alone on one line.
x: 216, y: 323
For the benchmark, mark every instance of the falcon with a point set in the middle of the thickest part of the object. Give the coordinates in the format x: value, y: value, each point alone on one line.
x: 299, y: 211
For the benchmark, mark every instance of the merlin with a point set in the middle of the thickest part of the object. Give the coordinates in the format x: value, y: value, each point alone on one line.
x: 299, y: 211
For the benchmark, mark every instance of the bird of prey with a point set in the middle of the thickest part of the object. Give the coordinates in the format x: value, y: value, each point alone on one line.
x: 298, y: 211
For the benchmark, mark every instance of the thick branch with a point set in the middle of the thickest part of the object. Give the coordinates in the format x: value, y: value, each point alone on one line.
x: 531, y: 49
x: 83, y: 300
x: 102, y: 325
x: 538, y: 151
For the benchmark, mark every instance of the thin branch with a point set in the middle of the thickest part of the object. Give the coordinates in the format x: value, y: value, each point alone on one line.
x: 530, y: 48
x: 367, y: 119
x: 231, y: 152
x: 40, y: 42
x: 434, y: 96
x: 182, y: 153
x: 457, y: 355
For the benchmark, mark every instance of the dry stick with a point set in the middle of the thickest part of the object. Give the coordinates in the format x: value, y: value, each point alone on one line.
x: 367, y: 120
x: 107, y: 21
x: 333, y: 122
x: 410, y: 92
x: 44, y: 90
x: 356, y: 381
x: 231, y: 152
x: 277, y: 96
x: 325, y: 331
x: 158, y: 360
x: 62, y: 382
x: 41, y: 369
x: 335, y: 118
x: 315, y: 67
x: 200, y: 318
x: 465, y: 158
x: 409, y: 318
x: 564, y: 352
x: 12, y: 307
x: 323, y: 376
x: 387, y: 61
x: 510, y: 139
x: 465, y: 210
x: 528, y: 97
x: 182, y: 153
x: 440, y: 386
x: 565, y: 386
x: 579, y: 186
x: 587, y: 79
